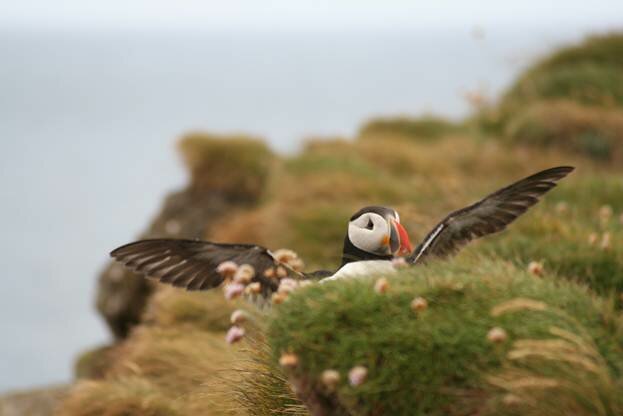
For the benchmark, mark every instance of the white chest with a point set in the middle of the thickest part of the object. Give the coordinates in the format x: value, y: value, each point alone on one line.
x: 362, y: 268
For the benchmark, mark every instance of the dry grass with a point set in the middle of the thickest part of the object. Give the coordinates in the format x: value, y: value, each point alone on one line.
x: 260, y: 387
x: 560, y: 375
x: 119, y: 397
x: 173, y: 308
x: 168, y: 365
x: 567, y: 125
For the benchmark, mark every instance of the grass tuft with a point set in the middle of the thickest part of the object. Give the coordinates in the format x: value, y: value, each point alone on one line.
x: 422, y: 128
x: 561, y: 375
x: 238, y: 166
x: 432, y: 361
x: 121, y: 397
x: 567, y: 125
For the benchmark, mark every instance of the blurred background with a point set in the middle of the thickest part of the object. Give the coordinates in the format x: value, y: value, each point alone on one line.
x: 93, y: 96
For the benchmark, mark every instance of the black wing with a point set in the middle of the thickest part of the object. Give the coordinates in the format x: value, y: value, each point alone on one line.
x: 490, y: 215
x: 192, y: 264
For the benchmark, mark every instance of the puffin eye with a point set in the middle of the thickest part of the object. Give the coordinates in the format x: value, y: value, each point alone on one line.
x: 370, y: 224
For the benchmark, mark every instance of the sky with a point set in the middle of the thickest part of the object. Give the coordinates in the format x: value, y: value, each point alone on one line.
x: 304, y: 14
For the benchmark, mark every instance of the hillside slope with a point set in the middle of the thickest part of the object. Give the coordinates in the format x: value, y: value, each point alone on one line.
x: 486, y: 337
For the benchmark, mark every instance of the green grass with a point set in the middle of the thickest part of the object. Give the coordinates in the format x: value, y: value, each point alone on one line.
x: 434, y: 362
x: 560, y: 239
x: 589, y: 73
x: 586, y: 83
x: 422, y: 128
x: 567, y: 125
x: 237, y: 166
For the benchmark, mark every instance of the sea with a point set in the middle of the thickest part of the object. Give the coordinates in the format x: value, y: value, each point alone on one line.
x: 89, y: 120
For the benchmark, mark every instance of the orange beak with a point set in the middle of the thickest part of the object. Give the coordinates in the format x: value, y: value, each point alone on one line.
x: 399, y: 239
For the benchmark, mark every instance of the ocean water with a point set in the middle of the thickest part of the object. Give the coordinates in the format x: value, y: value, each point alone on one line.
x: 88, y: 122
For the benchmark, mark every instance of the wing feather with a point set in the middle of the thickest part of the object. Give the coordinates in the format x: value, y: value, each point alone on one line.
x: 490, y: 215
x: 192, y: 264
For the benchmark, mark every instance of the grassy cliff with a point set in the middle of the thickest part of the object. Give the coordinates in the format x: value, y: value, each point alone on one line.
x: 485, y: 337
x: 571, y: 99
x: 560, y: 346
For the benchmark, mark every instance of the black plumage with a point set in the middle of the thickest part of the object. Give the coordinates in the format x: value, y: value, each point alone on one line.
x: 350, y: 254
x: 192, y: 264
x: 490, y: 215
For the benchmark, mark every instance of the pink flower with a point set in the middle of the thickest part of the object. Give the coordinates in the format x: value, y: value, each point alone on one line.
x: 535, y: 268
x: 233, y: 290
x: 399, y: 263
x: 330, y: 378
x: 287, y: 285
x: 254, y: 288
x: 244, y: 274
x: 234, y: 334
x: 238, y: 317
x: 419, y: 304
x: 381, y: 285
x: 227, y: 269
x: 497, y: 335
x: 357, y: 375
x: 289, y: 360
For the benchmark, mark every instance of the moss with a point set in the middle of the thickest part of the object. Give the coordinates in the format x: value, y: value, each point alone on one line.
x: 424, y: 128
x: 235, y: 165
x: 434, y: 361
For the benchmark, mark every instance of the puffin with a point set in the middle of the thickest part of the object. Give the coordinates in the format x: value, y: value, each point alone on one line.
x: 375, y: 243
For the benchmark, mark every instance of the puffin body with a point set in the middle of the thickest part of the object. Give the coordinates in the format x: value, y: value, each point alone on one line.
x: 362, y: 268
x: 374, y: 239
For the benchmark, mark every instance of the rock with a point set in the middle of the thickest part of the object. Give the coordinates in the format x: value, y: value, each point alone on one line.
x: 225, y: 174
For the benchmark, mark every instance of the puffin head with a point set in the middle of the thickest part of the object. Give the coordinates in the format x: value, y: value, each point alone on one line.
x: 376, y: 233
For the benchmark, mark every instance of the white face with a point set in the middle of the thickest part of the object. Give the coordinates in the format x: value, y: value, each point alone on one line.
x: 370, y: 232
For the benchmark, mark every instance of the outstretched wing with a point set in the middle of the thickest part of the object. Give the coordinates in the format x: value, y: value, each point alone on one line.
x: 490, y: 215
x: 192, y: 264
